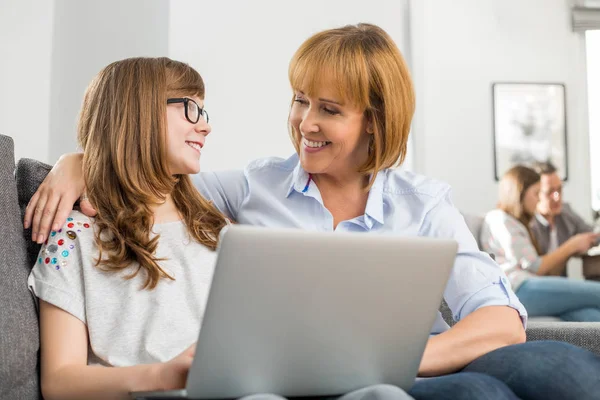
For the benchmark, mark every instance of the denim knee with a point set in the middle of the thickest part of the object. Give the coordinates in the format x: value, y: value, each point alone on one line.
x: 543, y: 370
x: 462, y: 386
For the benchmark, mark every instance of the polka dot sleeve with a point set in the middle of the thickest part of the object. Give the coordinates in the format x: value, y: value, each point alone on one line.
x: 58, y: 275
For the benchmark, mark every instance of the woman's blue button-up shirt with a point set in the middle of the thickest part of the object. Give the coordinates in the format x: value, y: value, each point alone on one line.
x: 278, y: 193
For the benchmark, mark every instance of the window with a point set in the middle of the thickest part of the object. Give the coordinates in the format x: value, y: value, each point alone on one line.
x: 592, y: 38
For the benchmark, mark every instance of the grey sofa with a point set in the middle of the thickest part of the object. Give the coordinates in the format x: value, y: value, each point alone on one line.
x: 19, y: 338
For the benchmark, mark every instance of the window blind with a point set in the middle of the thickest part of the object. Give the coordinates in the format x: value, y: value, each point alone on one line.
x: 585, y: 18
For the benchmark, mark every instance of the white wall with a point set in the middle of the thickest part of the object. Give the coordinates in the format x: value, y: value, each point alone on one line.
x: 88, y: 35
x: 242, y: 49
x: 25, y: 48
x: 459, y: 48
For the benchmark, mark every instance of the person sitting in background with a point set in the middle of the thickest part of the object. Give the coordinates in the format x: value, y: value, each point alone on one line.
x: 555, y: 222
x: 506, y: 233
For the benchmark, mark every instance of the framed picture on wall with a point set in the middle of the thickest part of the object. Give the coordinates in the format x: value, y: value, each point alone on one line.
x: 529, y: 125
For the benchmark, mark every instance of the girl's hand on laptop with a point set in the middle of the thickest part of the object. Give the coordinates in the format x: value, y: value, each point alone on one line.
x: 173, y: 373
x: 51, y: 204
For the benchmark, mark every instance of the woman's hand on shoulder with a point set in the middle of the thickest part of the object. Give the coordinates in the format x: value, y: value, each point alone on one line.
x: 51, y: 204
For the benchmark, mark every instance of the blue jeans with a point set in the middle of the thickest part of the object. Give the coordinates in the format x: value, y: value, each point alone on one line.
x: 568, y: 299
x: 462, y: 386
x: 543, y: 370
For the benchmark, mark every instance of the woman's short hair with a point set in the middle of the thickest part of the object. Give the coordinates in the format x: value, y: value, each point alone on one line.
x: 368, y: 70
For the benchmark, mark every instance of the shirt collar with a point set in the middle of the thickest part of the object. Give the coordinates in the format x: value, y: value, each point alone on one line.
x: 542, y: 220
x: 300, y: 180
x: 374, y: 209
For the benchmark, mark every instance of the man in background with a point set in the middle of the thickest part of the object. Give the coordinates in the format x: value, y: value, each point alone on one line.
x: 555, y: 222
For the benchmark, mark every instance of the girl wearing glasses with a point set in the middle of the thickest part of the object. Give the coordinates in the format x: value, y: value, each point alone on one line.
x: 111, y: 288
x: 351, y: 109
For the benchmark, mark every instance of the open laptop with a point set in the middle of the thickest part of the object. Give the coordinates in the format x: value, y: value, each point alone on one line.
x: 300, y: 313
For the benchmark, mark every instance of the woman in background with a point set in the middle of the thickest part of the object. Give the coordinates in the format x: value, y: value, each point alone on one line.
x: 506, y: 234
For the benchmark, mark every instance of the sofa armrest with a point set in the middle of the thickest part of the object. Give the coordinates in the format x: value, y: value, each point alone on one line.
x: 582, y: 334
x: 29, y: 175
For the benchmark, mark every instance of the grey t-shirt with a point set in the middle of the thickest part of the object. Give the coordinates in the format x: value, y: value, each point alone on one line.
x: 127, y: 325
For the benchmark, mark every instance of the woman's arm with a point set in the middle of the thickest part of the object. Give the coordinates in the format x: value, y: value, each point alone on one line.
x: 555, y: 262
x: 66, y: 375
x: 484, y: 330
x: 488, y: 313
x: 51, y: 204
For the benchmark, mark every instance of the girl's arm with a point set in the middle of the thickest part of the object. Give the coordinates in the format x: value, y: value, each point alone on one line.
x: 66, y: 375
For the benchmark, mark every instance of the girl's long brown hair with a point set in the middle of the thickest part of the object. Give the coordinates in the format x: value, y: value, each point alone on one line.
x: 512, y: 188
x: 122, y: 130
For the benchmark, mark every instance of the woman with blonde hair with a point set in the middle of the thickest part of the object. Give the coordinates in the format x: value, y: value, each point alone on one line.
x: 506, y: 233
x: 352, y: 106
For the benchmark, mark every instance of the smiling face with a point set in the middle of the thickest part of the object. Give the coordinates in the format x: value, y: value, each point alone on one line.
x: 551, y: 195
x: 334, y: 137
x: 184, y: 139
x: 362, y: 73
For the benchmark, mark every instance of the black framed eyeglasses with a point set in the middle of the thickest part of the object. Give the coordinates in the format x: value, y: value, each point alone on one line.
x: 192, y: 109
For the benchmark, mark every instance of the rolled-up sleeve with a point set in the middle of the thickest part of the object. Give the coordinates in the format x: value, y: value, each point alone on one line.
x: 476, y: 280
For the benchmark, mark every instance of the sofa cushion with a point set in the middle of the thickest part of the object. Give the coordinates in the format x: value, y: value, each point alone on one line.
x: 474, y: 223
x: 29, y: 175
x: 19, y: 338
x: 582, y: 334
